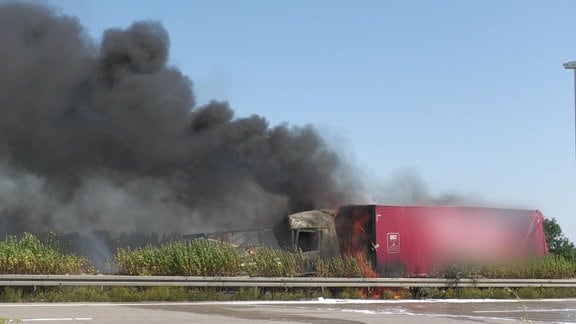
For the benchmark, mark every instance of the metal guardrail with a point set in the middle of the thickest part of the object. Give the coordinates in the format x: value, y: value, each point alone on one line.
x: 181, y: 281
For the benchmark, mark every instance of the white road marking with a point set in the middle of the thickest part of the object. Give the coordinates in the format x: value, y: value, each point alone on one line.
x: 527, y: 310
x: 56, y: 319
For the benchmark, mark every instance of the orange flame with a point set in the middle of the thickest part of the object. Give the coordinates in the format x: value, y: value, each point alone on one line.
x: 354, y: 228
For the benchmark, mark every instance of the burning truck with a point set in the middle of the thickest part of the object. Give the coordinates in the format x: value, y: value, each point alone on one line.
x: 403, y: 240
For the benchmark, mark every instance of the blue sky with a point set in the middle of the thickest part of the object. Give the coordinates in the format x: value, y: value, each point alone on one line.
x: 471, y: 95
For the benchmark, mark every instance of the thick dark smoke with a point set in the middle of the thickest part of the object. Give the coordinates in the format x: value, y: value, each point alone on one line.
x: 107, y: 137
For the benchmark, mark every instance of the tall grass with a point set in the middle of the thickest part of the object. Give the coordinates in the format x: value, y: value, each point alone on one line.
x: 134, y: 294
x: 268, y: 262
x: 340, y: 266
x: 549, y: 267
x: 29, y: 255
x: 193, y: 258
x: 208, y: 258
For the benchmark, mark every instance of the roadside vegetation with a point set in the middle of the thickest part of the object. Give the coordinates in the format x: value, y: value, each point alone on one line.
x: 140, y: 294
x: 137, y: 294
x: 29, y: 254
x: 491, y: 293
x: 548, y: 267
x: 183, y: 258
x: 211, y: 258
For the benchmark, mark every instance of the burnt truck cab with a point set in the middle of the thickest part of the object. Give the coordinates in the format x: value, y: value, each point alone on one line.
x: 311, y: 232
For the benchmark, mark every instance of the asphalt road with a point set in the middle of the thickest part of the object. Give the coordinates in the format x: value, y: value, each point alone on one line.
x: 317, y: 311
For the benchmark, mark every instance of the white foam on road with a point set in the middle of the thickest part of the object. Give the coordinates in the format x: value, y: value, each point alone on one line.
x: 402, y: 311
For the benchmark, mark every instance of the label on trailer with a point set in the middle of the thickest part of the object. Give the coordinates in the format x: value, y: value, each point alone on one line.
x: 393, y: 242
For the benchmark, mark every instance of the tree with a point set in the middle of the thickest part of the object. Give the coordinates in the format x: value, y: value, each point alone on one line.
x: 558, y: 244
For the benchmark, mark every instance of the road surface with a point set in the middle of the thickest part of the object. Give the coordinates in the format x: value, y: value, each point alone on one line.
x: 316, y: 311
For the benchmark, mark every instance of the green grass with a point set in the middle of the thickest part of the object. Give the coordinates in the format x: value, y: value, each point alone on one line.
x: 492, y: 293
x: 206, y: 258
x: 268, y: 262
x: 29, y: 255
x: 140, y: 294
x: 549, y: 267
x: 195, y: 258
x: 345, y: 266
x: 134, y: 294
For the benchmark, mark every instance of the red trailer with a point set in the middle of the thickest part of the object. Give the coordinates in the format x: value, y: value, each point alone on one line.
x: 413, y: 240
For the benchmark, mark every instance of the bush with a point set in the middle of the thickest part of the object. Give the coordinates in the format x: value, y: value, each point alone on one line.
x: 558, y: 244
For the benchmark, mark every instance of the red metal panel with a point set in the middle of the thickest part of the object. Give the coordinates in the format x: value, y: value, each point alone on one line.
x: 414, y: 239
x: 407, y: 223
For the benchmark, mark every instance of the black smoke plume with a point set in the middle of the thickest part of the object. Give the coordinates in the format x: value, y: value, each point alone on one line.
x: 106, y: 136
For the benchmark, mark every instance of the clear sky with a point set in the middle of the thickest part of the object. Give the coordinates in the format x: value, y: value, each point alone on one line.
x: 471, y: 95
